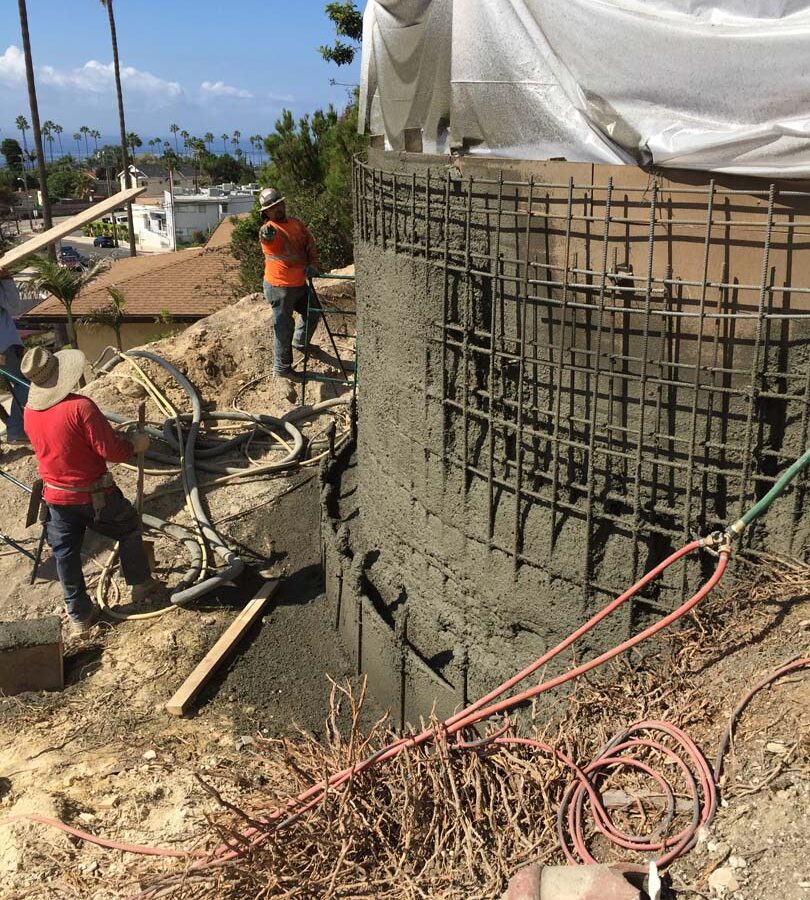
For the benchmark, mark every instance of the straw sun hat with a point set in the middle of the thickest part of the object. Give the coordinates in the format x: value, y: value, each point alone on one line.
x: 52, y: 375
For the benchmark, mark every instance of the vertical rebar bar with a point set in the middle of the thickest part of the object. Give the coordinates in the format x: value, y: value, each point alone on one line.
x: 555, y: 477
x: 493, y: 321
x: 524, y: 304
x: 642, y: 388
x: 707, y: 246
x: 753, y: 387
x: 590, y: 482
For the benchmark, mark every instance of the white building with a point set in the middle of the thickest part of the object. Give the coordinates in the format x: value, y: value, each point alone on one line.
x: 186, y: 216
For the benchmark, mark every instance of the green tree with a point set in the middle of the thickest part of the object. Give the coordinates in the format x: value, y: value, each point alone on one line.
x: 110, y: 316
x: 348, y: 22
x: 78, y: 138
x: 13, y: 152
x: 48, y: 132
x: 22, y: 126
x: 208, y: 137
x: 224, y: 138
x: 108, y: 5
x: 133, y: 141
x: 66, y: 178
x: 64, y: 284
x: 310, y: 162
x: 85, y: 131
x: 224, y: 168
x: 174, y: 128
x: 58, y: 130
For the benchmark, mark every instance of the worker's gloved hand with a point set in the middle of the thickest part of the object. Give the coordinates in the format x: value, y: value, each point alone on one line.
x: 311, y: 271
x: 140, y: 442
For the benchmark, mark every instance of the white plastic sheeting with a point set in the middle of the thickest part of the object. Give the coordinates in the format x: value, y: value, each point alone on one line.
x: 721, y: 85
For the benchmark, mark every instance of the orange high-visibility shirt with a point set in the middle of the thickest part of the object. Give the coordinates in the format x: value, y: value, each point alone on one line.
x: 288, y: 249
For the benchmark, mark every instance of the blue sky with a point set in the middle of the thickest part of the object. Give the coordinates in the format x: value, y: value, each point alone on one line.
x: 207, y: 65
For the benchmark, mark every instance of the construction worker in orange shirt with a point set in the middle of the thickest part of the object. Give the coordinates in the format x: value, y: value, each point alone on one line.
x: 290, y: 258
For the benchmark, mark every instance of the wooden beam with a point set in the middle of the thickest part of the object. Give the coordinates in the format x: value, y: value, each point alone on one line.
x: 52, y: 235
x: 212, y: 660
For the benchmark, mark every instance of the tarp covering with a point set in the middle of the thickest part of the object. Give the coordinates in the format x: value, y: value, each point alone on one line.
x: 721, y: 85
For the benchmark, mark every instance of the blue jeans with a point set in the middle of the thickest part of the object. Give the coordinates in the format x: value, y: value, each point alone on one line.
x: 19, y: 394
x: 284, y: 301
x: 66, y: 528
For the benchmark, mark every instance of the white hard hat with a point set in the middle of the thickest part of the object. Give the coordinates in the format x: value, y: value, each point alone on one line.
x: 270, y: 197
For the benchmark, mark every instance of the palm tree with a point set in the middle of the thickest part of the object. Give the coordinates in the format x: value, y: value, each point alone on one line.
x: 58, y: 132
x: 236, y: 136
x: 185, y: 135
x: 133, y: 141
x: 22, y: 126
x: 64, y: 284
x: 208, y: 137
x: 224, y: 144
x: 85, y: 131
x: 174, y: 128
x: 78, y: 138
x: 108, y: 4
x: 111, y: 315
x: 32, y: 102
x: 95, y: 135
x: 47, y: 131
x: 257, y: 140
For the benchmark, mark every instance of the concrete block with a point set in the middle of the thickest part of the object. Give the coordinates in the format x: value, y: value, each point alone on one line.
x: 31, y: 656
x: 584, y: 882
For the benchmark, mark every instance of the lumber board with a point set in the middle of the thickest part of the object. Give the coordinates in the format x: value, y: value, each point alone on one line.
x: 212, y: 660
x: 63, y: 229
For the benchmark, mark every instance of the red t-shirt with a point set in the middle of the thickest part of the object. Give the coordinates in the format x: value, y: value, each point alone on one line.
x: 73, y: 442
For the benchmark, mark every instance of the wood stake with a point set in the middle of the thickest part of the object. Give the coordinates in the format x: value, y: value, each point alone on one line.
x: 212, y: 660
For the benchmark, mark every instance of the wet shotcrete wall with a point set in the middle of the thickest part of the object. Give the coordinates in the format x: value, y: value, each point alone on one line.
x: 565, y: 371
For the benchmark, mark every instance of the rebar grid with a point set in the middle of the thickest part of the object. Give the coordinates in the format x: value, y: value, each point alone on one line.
x: 613, y: 359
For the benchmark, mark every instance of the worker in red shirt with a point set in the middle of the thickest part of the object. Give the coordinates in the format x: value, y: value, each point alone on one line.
x: 290, y: 258
x: 73, y: 442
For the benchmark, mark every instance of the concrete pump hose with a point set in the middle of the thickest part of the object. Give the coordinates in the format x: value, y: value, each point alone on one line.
x: 234, y: 564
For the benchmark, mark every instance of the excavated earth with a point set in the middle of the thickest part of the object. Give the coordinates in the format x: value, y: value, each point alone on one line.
x: 104, y: 756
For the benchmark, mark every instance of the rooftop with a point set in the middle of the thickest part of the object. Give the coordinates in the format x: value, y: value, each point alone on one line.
x: 189, y: 284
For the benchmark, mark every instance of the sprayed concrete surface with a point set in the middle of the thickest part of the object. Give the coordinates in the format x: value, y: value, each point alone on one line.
x: 625, y: 432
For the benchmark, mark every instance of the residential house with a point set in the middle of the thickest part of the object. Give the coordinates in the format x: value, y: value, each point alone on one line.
x: 178, y: 218
x: 162, y: 292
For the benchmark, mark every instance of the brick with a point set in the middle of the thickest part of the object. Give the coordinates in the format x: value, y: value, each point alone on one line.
x: 31, y: 656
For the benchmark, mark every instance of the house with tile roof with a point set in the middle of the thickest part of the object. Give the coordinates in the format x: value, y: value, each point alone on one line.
x: 164, y: 292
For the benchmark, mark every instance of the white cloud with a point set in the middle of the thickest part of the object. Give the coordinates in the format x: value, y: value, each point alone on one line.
x: 94, y: 77
x: 12, y: 65
x: 98, y: 77
x: 220, y: 89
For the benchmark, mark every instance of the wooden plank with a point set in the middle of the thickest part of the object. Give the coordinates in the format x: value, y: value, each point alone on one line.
x: 216, y: 655
x: 40, y: 241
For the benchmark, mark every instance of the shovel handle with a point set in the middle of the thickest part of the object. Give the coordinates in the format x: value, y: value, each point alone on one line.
x: 141, y: 425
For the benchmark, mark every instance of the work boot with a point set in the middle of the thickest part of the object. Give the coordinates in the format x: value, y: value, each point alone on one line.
x: 287, y: 381
x: 84, y: 625
x: 150, y: 592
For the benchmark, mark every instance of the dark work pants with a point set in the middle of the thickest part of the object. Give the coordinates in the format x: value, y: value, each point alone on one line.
x: 66, y: 527
x: 284, y: 301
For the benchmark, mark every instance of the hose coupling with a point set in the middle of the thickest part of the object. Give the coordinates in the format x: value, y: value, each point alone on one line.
x: 716, y: 543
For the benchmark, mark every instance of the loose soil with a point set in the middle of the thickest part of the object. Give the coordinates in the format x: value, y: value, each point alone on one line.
x: 104, y: 756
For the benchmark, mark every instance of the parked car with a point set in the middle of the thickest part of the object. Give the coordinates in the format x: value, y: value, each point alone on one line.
x: 70, y: 258
x: 103, y: 240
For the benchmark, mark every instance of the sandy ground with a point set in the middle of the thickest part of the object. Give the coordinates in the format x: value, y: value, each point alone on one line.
x: 104, y: 754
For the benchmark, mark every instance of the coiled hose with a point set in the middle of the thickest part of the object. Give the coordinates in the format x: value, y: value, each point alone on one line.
x: 182, y: 432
